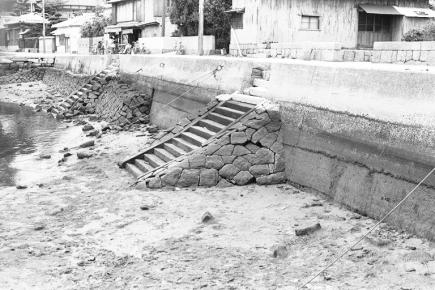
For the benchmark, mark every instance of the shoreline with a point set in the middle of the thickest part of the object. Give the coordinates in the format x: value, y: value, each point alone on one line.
x: 84, y: 227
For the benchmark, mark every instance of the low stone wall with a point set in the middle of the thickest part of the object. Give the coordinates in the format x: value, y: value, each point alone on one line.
x: 63, y: 82
x: 250, y: 152
x: 400, y: 53
x: 24, y: 76
x: 122, y: 105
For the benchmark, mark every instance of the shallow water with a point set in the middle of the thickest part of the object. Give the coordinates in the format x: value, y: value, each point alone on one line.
x: 22, y: 133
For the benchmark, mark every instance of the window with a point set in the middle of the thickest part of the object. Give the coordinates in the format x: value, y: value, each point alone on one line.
x: 373, y: 22
x: 62, y: 39
x: 310, y: 22
x: 237, y: 20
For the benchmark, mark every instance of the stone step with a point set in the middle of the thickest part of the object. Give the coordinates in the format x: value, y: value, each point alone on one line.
x: 174, y: 150
x: 193, y: 138
x: 133, y: 170
x: 186, y: 146
x: 163, y: 154
x: 228, y: 112
x: 70, y: 101
x: 153, y: 160
x: 142, y: 165
x: 201, y: 131
x: 223, y: 120
x: 211, y: 125
x: 66, y: 106
x: 238, y: 106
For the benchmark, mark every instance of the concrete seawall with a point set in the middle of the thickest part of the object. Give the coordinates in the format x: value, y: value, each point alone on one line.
x: 364, y: 134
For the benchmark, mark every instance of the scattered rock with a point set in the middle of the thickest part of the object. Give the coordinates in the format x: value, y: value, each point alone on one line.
x: 87, y: 127
x: 377, y: 241
x: 67, y: 154
x: 307, y: 230
x: 44, y: 156
x: 153, y: 129
x: 280, y: 252
x: 86, y: 144
x: 92, y: 133
x: 207, y: 217
x: 21, y: 186
x: 84, y: 155
x: 38, y: 227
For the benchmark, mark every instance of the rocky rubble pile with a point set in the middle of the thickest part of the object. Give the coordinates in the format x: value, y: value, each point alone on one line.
x: 63, y: 83
x: 250, y: 152
x: 121, y: 105
x: 25, y: 76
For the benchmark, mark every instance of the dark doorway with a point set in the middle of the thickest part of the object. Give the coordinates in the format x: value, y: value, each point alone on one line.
x: 372, y: 28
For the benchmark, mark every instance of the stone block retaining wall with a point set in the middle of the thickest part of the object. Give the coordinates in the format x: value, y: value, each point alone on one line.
x: 62, y: 82
x: 122, y: 105
x: 25, y: 76
x: 250, y: 152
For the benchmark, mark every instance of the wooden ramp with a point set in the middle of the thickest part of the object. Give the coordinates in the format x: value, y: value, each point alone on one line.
x: 198, y: 133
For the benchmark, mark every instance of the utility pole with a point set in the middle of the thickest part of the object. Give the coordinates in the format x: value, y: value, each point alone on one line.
x: 164, y: 19
x: 201, y: 28
x: 43, y: 26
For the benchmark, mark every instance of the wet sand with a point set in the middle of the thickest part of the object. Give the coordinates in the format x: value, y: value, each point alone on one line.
x: 80, y: 226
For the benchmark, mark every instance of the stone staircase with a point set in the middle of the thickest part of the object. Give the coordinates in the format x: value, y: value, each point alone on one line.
x: 197, y: 134
x: 93, y: 86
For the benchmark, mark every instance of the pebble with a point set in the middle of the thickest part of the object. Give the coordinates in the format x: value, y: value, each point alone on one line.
x: 207, y: 217
x: 307, y: 230
x: 21, y: 186
x: 45, y: 156
x: 86, y: 144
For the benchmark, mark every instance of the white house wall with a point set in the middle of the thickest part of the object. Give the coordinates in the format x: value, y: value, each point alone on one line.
x: 279, y: 20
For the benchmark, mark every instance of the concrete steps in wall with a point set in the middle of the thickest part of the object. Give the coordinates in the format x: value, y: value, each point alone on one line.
x: 195, y: 135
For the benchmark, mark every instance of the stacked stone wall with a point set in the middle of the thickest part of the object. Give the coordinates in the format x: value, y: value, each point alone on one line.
x: 24, y: 76
x: 250, y: 152
x: 122, y: 105
x: 63, y: 82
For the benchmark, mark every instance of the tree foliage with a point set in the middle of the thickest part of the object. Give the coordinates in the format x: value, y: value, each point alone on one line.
x: 95, y: 27
x: 184, y: 13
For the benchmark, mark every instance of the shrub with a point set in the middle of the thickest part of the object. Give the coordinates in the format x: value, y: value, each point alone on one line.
x: 413, y: 35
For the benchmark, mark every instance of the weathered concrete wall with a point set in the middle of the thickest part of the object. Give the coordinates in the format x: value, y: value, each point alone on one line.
x: 83, y: 64
x: 366, y: 164
x: 183, y: 84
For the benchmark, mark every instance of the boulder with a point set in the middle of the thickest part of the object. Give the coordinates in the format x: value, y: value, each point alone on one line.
x: 172, y: 176
x: 229, y: 171
x: 189, y: 177
x: 197, y: 161
x: 275, y: 178
x: 260, y: 134
x: 226, y: 150
x: 208, y: 177
x: 242, y: 163
x: 240, y: 150
x: 264, y: 156
x: 243, y: 178
x: 238, y: 138
x: 259, y: 170
x: 214, y: 161
x: 154, y: 183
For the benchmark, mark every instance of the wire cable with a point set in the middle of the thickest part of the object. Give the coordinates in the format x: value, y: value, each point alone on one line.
x: 369, y: 231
